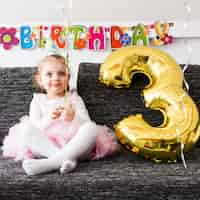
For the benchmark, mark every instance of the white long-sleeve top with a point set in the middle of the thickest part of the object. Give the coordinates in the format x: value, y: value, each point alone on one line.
x: 41, y: 108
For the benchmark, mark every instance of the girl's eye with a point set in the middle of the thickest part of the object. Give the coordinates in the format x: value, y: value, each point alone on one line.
x: 49, y: 74
x: 61, y: 73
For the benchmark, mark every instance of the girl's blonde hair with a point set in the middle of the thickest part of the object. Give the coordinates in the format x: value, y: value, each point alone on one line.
x: 36, y: 75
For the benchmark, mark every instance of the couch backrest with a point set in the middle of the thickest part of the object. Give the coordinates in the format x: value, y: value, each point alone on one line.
x: 108, y: 105
x: 15, y: 94
x: 105, y: 105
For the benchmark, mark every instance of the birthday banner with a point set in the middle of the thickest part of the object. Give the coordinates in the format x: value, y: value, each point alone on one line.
x: 91, y: 37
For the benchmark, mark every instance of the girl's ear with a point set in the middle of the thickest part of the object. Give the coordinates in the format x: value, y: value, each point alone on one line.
x: 67, y: 85
x: 37, y: 80
x: 69, y: 76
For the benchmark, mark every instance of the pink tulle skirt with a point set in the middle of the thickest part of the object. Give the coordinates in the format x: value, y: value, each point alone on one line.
x: 60, y: 133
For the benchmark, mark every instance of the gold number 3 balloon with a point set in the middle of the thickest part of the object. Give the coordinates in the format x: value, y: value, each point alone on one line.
x: 164, y: 92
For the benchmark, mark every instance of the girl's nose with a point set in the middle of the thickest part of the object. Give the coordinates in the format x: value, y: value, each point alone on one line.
x: 55, y: 77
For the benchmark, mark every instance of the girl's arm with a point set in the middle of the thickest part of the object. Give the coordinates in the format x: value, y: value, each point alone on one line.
x: 35, y: 114
x: 81, y: 112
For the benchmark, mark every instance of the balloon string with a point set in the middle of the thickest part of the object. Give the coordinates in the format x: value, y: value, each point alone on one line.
x: 187, y: 43
x: 69, y: 50
x: 67, y: 12
x: 178, y: 132
x: 182, y: 148
x: 185, y: 67
x: 182, y: 155
x: 189, y: 53
x: 187, y: 87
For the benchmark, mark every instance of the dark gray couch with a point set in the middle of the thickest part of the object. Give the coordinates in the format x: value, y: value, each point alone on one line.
x: 123, y: 176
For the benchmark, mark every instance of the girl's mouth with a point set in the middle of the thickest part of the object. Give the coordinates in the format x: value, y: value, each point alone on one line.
x: 56, y: 85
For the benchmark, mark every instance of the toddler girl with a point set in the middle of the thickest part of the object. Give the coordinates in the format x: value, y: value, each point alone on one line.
x: 58, y: 131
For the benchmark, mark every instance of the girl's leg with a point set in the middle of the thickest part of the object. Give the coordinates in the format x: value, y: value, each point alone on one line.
x: 66, y: 159
x: 39, y: 144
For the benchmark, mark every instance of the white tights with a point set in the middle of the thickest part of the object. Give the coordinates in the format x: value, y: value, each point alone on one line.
x: 64, y: 159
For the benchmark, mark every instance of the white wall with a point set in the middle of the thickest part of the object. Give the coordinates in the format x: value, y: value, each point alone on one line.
x: 26, y: 11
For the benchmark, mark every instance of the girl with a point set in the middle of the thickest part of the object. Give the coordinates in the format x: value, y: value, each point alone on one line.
x: 58, y: 127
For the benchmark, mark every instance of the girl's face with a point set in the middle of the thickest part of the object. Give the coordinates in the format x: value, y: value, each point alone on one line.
x: 54, y: 78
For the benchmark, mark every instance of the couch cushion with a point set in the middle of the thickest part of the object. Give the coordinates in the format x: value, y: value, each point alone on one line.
x: 124, y: 176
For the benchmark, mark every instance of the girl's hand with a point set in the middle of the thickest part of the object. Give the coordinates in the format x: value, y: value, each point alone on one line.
x: 57, y: 113
x: 68, y: 112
